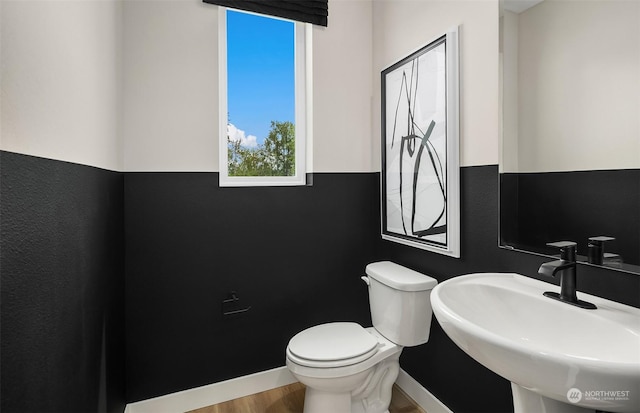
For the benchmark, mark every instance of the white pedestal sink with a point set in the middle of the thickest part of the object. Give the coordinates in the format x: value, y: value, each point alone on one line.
x: 559, y: 358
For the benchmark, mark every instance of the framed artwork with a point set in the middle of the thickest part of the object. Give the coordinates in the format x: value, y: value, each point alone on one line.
x: 420, y: 156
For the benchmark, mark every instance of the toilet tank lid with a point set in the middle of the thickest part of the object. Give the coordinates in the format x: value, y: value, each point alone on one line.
x: 399, y: 277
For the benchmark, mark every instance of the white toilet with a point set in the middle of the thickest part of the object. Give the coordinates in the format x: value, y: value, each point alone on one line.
x: 351, y: 369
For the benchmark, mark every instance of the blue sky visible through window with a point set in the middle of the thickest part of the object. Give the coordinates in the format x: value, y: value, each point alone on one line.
x: 260, y: 75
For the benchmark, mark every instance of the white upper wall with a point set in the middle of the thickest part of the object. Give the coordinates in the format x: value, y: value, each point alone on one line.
x: 132, y: 85
x: 170, y: 107
x: 578, y: 77
x: 509, y: 93
x: 343, y: 90
x: 403, y: 26
x: 60, y: 80
x: 170, y: 87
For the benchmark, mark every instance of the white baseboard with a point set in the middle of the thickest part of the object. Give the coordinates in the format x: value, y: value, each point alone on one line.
x: 215, y: 393
x: 223, y: 391
x: 420, y: 395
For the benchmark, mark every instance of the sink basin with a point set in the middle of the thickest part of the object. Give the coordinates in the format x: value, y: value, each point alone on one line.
x: 559, y: 358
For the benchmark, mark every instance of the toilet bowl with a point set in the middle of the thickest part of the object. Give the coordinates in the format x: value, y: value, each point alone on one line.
x: 342, y: 379
x: 351, y: 369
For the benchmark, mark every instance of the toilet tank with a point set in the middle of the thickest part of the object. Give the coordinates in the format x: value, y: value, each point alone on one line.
x: 400, y: 302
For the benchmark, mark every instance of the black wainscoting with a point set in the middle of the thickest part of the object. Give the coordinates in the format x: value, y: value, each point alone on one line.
x: 439, y: 365
x: 593, y: 203
x: 62, y: 269
x: 294, y: 254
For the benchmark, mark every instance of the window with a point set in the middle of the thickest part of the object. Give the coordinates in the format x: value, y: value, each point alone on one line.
x: 263, y: 99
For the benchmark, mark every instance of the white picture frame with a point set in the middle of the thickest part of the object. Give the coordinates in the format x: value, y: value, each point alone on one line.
x: 420, y: 179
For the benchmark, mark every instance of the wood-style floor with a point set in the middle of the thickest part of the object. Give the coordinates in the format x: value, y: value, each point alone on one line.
x: 290, y: 399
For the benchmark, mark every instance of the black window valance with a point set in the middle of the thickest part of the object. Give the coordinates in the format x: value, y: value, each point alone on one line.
x: 309, y: 11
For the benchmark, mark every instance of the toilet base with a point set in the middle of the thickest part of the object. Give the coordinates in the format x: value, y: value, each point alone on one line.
x: 365, y: 392
x: 318, y: 401
x: 375, y: 394
x: 331, y: 395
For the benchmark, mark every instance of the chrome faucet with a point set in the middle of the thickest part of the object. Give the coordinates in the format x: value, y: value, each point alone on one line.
x: 566, y: 266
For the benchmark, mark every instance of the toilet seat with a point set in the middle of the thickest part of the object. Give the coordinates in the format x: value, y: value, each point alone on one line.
x: 332, y: 345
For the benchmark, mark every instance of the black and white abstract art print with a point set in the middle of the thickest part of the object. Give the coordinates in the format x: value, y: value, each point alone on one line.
x: 420, y: 161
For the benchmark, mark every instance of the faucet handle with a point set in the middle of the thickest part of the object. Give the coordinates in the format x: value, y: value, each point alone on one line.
x: 601, y: 238
x: 567, y: 249
x: 596, y: 249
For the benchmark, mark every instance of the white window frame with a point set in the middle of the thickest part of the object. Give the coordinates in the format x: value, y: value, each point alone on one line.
x: 303, y: 100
